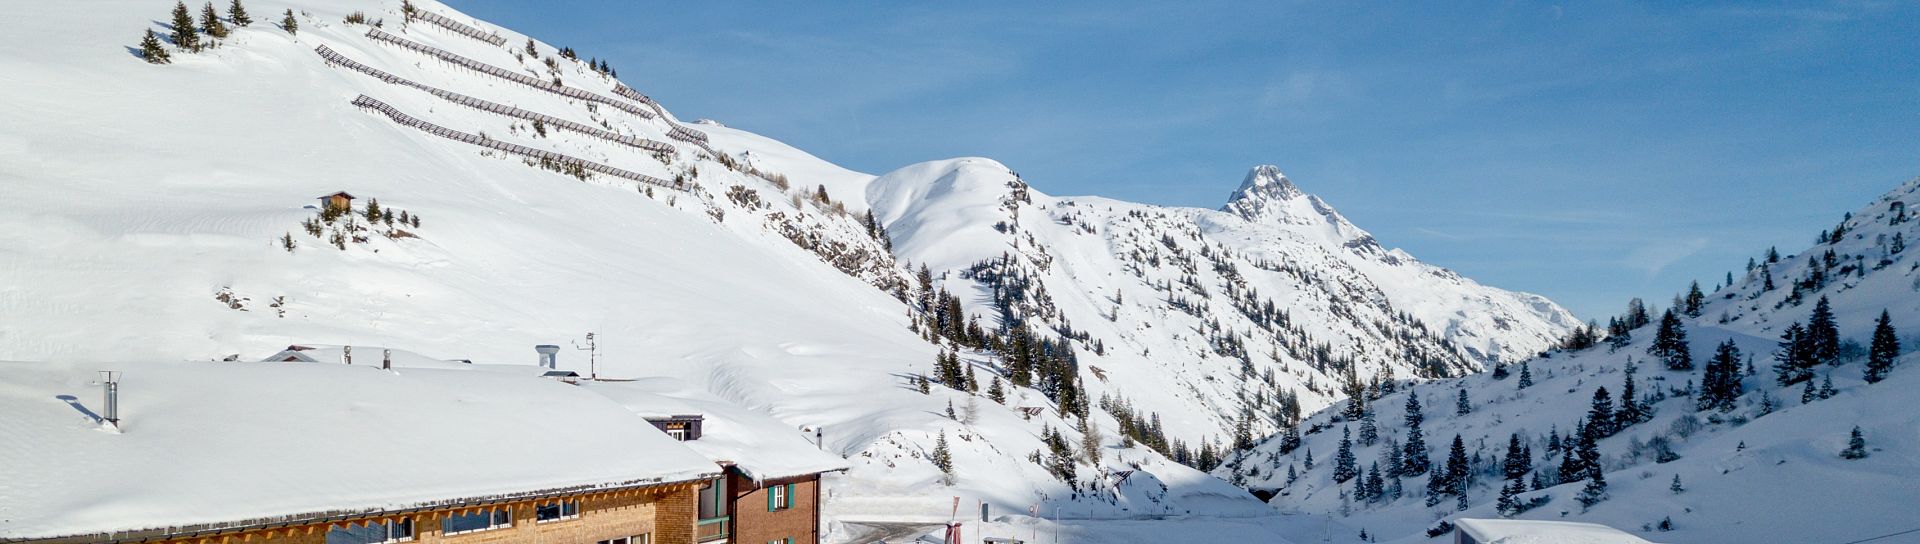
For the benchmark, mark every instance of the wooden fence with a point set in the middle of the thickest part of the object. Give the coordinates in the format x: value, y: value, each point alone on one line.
x: 334, y: 57
x: 397, y: 116
x: 460, y: 28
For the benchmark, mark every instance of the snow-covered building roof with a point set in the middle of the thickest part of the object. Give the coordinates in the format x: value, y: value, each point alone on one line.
x: 1514, y: 531
x: 214, y: 445
x: 759, y: 446
x: 360, y: 355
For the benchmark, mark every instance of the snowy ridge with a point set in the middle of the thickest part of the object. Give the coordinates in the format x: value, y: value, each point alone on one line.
x: 1206, y: 318
x: 1755, y: 473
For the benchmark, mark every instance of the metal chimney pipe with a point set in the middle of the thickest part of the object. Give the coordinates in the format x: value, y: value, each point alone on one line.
x: 346, y: 354
x: 110, y: 381
x: 386, y: 359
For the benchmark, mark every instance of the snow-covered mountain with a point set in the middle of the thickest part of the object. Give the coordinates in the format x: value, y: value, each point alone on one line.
x: 1767, y: 469
x: 1204, y: 317
x: 168, y: 211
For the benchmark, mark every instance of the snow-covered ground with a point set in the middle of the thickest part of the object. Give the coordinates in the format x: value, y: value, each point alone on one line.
x: 1748, y: 475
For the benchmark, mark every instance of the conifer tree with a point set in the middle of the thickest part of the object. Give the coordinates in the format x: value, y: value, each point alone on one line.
x: 238, y: 13
x: 1600, y: 414
x: 1462, y: 406
x: 1880, y: 354
x: 943, y: 459
x: 1457, y: 468
x: 184, y: 33
x: 1637, y: 315
x: 1720, y: 381
x: 1369, y: 432
x: 1518, y: 461
x: 1631, y: 412
x: 995, y: 392
x: 1526, y: 376
x: 1508, y: 504
x: 1826, y: 386
x: 1676, y: 488
x: 152, y: 51
x: 1376, y: 485
x: 1618, y: 334
x: 1414, y: 417
x: 290, y: 24
x: 1809, y: 394
x: 1823, y: 336
x: 210, y: 22
x: 1793, y: 361
x: 1344, y: 466
x: 1413, y: 460
x: 1670, y: 343
x: 1594, y: 492
x: 1856, y: 446
x: 1309, y: 460
x: 1695, y: 299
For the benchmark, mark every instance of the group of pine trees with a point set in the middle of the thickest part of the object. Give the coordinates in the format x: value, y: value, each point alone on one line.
x: 186, y: 32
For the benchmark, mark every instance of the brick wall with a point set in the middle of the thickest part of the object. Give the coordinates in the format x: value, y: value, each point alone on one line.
x: 753, y: 524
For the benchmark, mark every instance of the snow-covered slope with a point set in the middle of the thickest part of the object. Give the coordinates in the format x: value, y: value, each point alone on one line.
x: 163, y: 212
x: 1769, y: 470
x: 1204, y: 317
x: 167, y: 212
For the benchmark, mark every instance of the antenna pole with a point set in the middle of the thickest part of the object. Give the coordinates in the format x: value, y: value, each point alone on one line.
x: 110, y: 380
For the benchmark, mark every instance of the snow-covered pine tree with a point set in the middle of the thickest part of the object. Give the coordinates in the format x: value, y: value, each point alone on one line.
x: 239, y: 14
x: 1670, y: 343
x: 1826, y: 386
x: 151, y: 50
x: 1594, y: 492
x: 1810, y: 394
x: 290, y: 24
x: 1695, y: 299
x: 1720, y: 381
x: 1856, y: 445
x: 1884, y: 348
x: 1676, y: 488
x: 1344, y: 465
x: 1376, y: 485
x: 1369, y: 431
x: 185, y: 34
x: 210, y: 22
x: 1462, y: 406
x: 943, y: 459
x: 1526, y: 376
x: 1413, y: 460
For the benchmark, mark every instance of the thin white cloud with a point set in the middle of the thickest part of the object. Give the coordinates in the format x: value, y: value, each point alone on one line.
x: 1656, y: 256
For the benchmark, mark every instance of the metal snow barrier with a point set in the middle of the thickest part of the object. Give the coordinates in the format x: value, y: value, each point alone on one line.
x: 530, y: 81
x: 334, y: 57
x: 460, y: 28
x: 397, y: 116
x: 674, y: 130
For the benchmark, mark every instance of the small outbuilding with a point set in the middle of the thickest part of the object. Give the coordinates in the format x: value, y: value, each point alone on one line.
x: 340, y: 200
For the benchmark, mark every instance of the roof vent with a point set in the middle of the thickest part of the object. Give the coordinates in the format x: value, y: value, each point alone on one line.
x: 549, y: 355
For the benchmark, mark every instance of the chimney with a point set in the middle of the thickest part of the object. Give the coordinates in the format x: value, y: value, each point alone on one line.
x: 110, y: 380
x: 386, y: 359
x: 549, y: 355
x: 346, y: 354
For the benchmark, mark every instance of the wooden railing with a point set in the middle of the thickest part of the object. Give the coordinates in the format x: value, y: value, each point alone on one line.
x: 458, y: 27
x: 334, y: 57
x: 530, y: 81
x: 397, y: 116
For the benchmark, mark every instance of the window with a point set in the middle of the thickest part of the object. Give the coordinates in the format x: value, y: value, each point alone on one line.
x: 713, y: 499
x: 679, y: 434
x: 372, y: 533
x: 484, y: 520
x: 563, y: 510
x: 779, y: 497
x: 646, y: 538
x: 788, y: 540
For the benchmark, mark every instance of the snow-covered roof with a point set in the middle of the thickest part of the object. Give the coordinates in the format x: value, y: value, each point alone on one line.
x: 362, y: 355
x: 1514, y: 531
x: 759, y: 446
x: 227, y: 443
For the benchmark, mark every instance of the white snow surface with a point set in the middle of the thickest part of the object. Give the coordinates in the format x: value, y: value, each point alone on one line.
x: 206, y: 442
x: 759, y: 446
x: 1749, y: 475
x: 1502, y: 531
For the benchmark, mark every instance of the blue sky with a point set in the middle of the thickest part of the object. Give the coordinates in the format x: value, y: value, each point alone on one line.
x: 1589, y: 152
